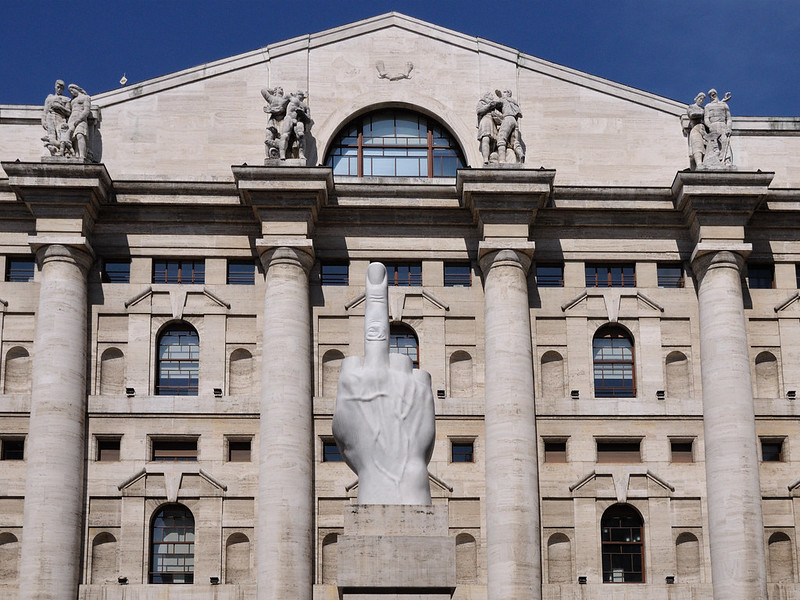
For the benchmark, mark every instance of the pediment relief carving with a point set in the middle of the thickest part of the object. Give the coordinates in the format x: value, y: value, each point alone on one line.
x: 176, y: 300
x: 172, y: 481
x: 614, y: 303
x: 621, y: 481
x: 404, y: 301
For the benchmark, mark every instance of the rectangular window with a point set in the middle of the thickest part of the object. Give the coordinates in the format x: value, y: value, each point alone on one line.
x: 457, y: 275
x: 335, y: 274
x: 241, y: 272
x: 12, y: 449
x: 619, y: 452
x: 20, y: 269
x: 555, y: 451
x: 760, y: 276
x: 330, y: 452
x: 462, y: 452
x: 681, y: 451
x: 239, y: 450
x: 404, y: 274
x: 179, y: 271
x: 550, y: 276
x: 108, y: 449
x: 611, y: 275
x: 797, y: 276
x: 116, y: 270
x: 670, y: 275
x: 174, y: 450
x: 772, y: 450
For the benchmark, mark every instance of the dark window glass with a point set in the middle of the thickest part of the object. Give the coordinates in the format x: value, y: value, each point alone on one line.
x: 457, y: 275
x: 117, y: 270
x: 175, y: 450
x: 403, y: 340
x: 613, y: 364
x: 550, y: 275
x: 612, y: 275
x: 239, y: 450
x: 335, y: 274
x: 404, y: 274
x: 20, y: 268
x: 670, y: 275
x: 622, y: 535
x: 772, y: 450
x: 108, y: 449
x: 330, y: 452
x: 172, y: 547
x: 797, y: 276
x: 681, y: 452
x: 179, y: 271
x: 241, y: 272
x: 462, y: 452
x: 12, y: 449
x: 761, y: 277
x: 619, y: 452
x: 555, y: 452
x: 178, y: 361
x: 394, y: 143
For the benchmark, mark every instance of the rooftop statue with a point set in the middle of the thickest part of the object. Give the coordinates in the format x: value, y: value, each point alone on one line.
x: 66, y: 122
x: 384, y: 421
x: 54, y: 117
x: 289, y: 118
x: 498, y: 127
x: 708, y: 129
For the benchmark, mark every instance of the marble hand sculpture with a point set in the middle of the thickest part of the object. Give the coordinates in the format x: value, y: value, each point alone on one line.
x: 384, y: 421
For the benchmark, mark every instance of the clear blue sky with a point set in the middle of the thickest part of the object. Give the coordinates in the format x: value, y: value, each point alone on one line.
x: 674, y: 48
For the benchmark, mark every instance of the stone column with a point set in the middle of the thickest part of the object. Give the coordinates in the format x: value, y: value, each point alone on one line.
x: 736, y: 530
x: 285, y: 536
x: 53, y: 526
x: 512, y: 485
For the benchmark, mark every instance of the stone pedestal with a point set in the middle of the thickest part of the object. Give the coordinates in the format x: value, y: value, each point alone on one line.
x: 396, y: 551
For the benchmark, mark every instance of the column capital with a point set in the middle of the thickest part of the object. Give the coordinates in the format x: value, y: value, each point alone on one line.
x: 496, y: 252
x: 74, y: 249
x: 707, y: 256
x: 284, y: 250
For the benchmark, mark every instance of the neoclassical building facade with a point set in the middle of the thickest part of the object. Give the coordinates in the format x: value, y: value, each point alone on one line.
x: 613, y: 338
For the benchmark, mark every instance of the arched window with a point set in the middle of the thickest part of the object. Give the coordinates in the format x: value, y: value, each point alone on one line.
x: 403, y: 340
x: 622, y: 535
x: 394, y: 143
x: 612, y: 350
x: 172, y: 545
x: 178, y: 361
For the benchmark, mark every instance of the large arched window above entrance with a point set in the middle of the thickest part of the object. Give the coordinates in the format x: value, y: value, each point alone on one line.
x: 178, y: 361
x: 622, y: 535
x: 612, y: 351
x: 394, y: 143
x: 172, y: 545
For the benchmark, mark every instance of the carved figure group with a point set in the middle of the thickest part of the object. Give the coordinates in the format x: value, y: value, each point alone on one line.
x: 708, y: 129
x: 66, y: 121
x: 498, y: 127
x: 289, y: 118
